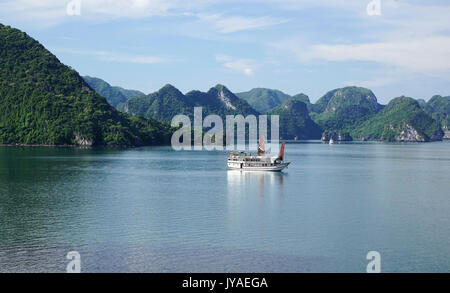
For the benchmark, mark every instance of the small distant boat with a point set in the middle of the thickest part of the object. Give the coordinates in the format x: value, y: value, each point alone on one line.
x: 331, y: 141
x: 260, y: 162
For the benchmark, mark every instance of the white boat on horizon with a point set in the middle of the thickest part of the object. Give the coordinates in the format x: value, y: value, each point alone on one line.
x: 261, y: 162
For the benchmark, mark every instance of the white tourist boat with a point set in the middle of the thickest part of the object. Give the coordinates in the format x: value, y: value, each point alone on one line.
x: 260, y: 162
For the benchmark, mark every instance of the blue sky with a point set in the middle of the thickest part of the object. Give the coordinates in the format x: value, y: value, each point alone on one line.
x: 308, y: 46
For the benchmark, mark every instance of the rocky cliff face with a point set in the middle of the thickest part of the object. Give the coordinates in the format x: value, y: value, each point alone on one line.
x: 401, y: 120
x: 336, y: 136
x: 82, y: 141
x: 225, y: 99
x: 221, y: 97
x: 406, y: 133
x: 446, y: 130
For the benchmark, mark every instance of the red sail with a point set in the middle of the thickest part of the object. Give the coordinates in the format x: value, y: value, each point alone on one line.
x: 282, y: 152
x: 261, y: 150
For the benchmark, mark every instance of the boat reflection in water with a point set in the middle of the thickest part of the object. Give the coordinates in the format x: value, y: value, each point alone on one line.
x: 261, y: 183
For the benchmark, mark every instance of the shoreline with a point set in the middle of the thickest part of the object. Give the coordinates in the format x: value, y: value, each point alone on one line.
x: 288, y: 141
x: 76, y: 146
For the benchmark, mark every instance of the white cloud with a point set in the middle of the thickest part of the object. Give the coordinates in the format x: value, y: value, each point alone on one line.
x: 400, y: 19
x: 426, y: 55
x: 306, y: 4
x: 52, y: 12
x: 230, y: 24
x: 128, y: 8
x: 49, y: 12
x: 244, y: 66
x: 116, y: 57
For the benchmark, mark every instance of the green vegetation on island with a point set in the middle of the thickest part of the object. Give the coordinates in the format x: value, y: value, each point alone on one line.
x: 295, y: 122
x: 302, y: 98
x: 401, y: 120
x: 45, y: 102
x: 438, y: 107
x: 115, y: 95
x: 343, y: 109
x: 264, y: 100
x: 164, y: 104
x: 341, y: 114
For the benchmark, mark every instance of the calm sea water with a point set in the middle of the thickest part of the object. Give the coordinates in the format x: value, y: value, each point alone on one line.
x: 157, y: 210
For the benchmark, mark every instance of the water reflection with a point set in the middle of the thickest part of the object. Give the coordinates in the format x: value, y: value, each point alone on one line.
x: 42, y: 191
x: 262, y: 183
x: 156, y: 210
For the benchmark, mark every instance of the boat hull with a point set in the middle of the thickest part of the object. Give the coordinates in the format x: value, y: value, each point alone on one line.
x: 275, y: 168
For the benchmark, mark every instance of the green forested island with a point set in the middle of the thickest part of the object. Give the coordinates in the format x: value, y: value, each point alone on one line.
x: 169, y: 101
x: 401, y: 120
x: 295, y: 122
x: 44, y: 102
x: 438, y: 107
x: 262, y: 99
x: 350, y: 113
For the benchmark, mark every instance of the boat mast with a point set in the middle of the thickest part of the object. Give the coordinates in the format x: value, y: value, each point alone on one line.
x: 281, y: 156
x: 261, y: 150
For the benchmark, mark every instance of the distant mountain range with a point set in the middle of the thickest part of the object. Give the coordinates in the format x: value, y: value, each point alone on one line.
x: 45, y: 102
x: 164, y: 104
x: 115, y: 95
x: 344, y: 114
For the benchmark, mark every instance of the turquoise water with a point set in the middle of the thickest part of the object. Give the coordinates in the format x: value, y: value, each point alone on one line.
x: 157, y: 210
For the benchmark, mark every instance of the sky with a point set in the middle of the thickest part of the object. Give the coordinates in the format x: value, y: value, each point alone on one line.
x: 393, y: 47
